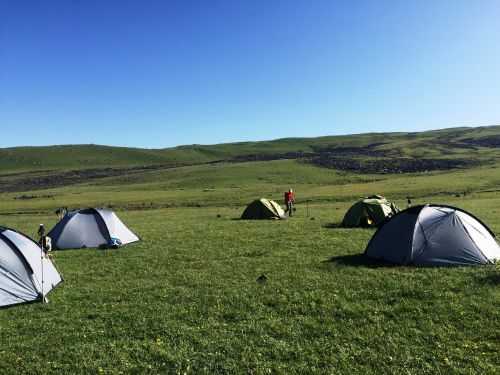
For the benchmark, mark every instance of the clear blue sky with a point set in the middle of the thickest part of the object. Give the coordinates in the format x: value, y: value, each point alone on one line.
x: 163, y: 73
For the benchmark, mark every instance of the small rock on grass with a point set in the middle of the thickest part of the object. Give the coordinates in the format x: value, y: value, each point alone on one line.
x: 261, y: 279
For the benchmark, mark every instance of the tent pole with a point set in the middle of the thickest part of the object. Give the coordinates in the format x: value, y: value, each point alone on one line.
x: 41, y: 263
x: 41, y: 232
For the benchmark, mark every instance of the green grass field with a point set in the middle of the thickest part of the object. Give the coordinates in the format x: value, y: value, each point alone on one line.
x: 185, y: 299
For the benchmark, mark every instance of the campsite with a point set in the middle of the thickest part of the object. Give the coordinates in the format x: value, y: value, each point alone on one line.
x: 250, y: 187
x: 185, y: 298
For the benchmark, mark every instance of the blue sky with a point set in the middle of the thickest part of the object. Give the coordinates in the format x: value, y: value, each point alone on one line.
x: 164, y: 73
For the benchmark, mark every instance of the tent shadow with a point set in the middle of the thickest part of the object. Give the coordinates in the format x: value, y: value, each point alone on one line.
x: 266, y: 219
x: 357, y: 260
x: 490, y: 279
x: 333, y: 226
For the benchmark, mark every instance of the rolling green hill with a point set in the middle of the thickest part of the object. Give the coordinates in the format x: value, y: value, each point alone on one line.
x: 456, y: 143
x: 323, y: 160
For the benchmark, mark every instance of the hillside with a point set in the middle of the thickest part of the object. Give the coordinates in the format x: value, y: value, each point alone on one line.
x: 37, y: 168
x: 455, y: 143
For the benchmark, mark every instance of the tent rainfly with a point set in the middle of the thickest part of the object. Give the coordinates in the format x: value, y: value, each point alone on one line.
x: 263, y: 209
x: 434, y: 235
x: 26, y: 273
x: 90, y: 228
x: 369, y: 212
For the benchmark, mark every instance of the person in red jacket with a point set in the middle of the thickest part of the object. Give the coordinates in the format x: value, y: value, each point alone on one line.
x: 289, y: 201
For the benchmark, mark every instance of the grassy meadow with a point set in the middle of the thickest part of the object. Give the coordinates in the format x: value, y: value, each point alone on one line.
x: 185, y: 299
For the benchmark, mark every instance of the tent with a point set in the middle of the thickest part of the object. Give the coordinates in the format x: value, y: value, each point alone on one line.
x: 369, y: 211
x: 90, y: 228
x: 263, y: 209
x: 26, y: 273
x: 434, y: 235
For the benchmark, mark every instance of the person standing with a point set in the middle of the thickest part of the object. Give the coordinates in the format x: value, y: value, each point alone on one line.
x: 289, y: 201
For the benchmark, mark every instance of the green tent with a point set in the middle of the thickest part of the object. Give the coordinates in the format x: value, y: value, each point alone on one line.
x: 263, y: 209
x: 369, y: 212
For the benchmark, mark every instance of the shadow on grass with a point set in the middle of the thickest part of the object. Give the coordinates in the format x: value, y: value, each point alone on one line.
x: 266, y: 219
x: 357, y: 260
x: 490, y: 279
x: 333, y: 226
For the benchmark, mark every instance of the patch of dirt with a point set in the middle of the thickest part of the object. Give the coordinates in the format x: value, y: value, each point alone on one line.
x: 334, y: 151
x: 268, y: 157
x: 350, y: 151
x: 28, y: 197
x: 36, y: 181
x: 392, y: 165
x: 492, y: 141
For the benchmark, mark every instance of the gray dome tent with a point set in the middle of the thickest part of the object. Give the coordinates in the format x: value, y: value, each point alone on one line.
x: 434, y: 235
x: 263, y: 209
x: 26, y: 273
x: 90, y: 228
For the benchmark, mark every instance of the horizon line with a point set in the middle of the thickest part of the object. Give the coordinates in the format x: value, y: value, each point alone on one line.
x: 248, y: 141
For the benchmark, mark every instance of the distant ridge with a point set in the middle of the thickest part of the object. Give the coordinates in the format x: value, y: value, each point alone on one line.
x: 447, y: 143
